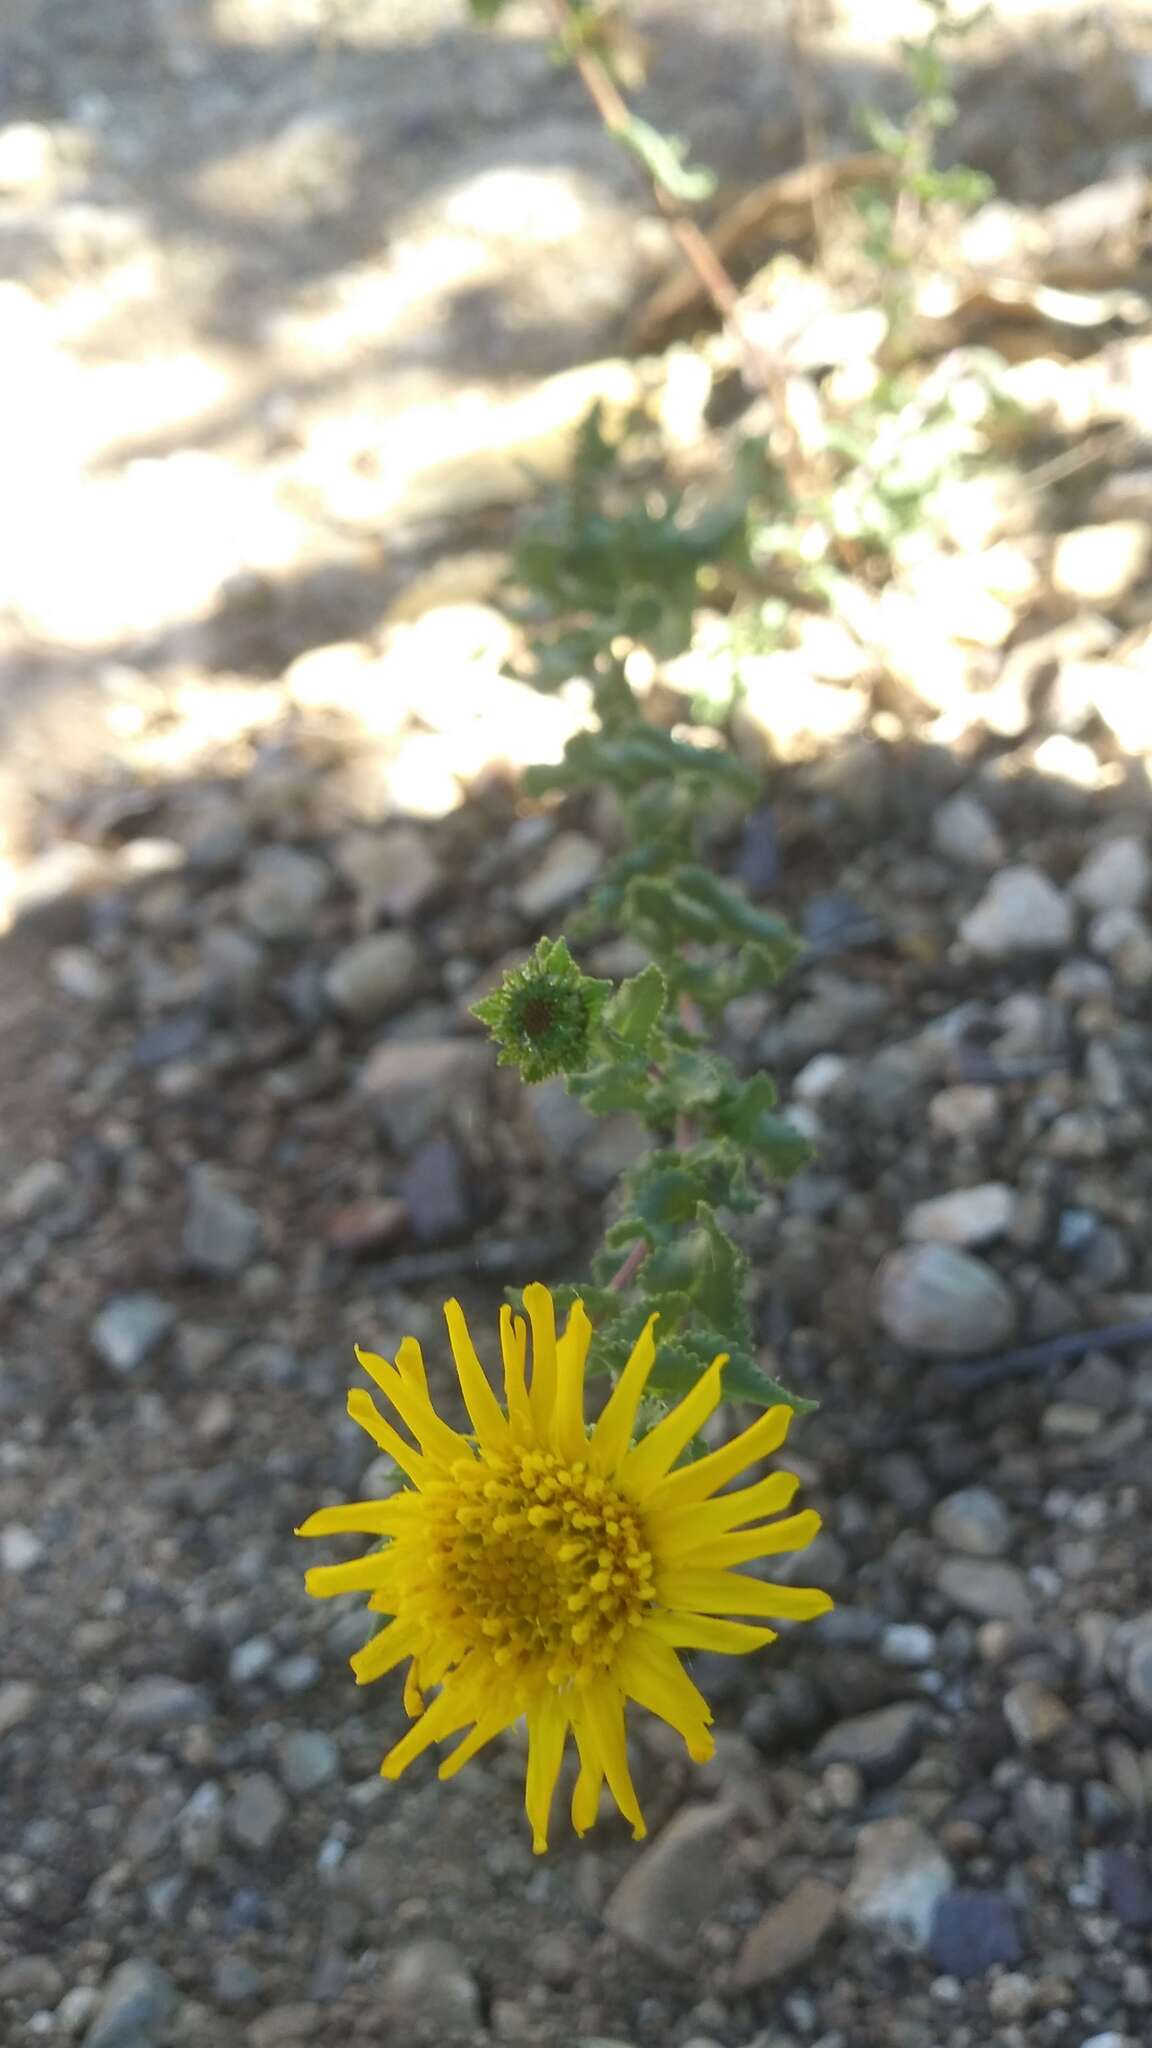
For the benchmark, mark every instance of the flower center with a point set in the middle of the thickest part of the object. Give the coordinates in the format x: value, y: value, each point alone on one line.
x: 543, y: 1563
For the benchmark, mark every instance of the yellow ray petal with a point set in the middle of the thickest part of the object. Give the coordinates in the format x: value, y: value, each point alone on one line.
x: 651, y: 1674
x: 488, y: 1418
x: 568, y: 1434
x: 703, y: 1632
x: 362, y: 1408
x: 514, y: 1348
x: 736, y: 1593
x: 542, y: 1394
x: 696, y: 1481
x: 454, y: 1708
x: 432, y: 1433
x: 601, y: 1708
x: 547, y: 1727
x: 613, y: 1432
x: 795, y: 1532
x: 677, y: 1529
x: 586, y: 1791
x: 359, y: 1575
x: 656, y: 1453
x: 493, y: 1723
x: 384, y: 1652
x: 410, y: 1364
x: 357, y: 1518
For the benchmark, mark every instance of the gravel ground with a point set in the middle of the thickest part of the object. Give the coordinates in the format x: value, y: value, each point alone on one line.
x: 246, y: 1121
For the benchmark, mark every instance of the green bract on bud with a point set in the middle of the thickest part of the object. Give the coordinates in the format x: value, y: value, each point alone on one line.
x: 543, y: 1014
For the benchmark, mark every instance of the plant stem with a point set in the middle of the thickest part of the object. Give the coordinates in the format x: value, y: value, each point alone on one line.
x: 760, y: 367
x: 637, y: 1253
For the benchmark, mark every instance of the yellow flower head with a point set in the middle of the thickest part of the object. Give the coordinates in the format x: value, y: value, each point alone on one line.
x: 535, y: 1568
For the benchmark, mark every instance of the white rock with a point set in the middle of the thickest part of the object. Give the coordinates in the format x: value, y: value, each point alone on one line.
x: 898, y: 1879
x: 42, y: 1186
x: 821, y: 1077
x: 375, y: 976
x: 20, y: 1548
x: 973, y: 1521
x: 1124, y: 939
x: 130, y: 1326
x: 963, y: 830
x: 785, y: 714
x: 1021, y: 911
x: 1116, y: 876
x: 966, y: 1216
x: 569, y: 864
x: 27, y: 157
x: 934, y: 1298
x: 968, y: 1110
x: 1097, y: 564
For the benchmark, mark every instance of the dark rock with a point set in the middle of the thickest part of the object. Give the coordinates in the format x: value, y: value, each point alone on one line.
x: 172, y: 1039
x: 1128, y: 1886
x: 432, y: 1189
x: 974, y: 1932
x: 881, y: 1745
x: 221, y: 1232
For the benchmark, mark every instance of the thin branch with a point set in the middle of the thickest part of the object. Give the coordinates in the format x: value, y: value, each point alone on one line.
x: 1053, y: 1350
x: 721, y: 289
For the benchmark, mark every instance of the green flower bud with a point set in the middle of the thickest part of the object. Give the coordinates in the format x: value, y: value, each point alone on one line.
x: 544, y: 1013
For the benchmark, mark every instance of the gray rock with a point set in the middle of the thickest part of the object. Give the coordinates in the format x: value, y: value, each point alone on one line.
x: 221, y: 1232
x: 415, y: 1084
x: 966, y: 1111
x: 974, y: 1932
x: 282, y: 892
x: 963, y: 831
x: 200, y: 1826
x: 908, y: 1644
x: 233, y: 964
x: 428, y: 1985
x: 308, y: 1758
x: 250, y: 1659
x: 1033, y: 1713
x: 990, y: 1591
x: 393, y: 873
x: 1138, y: 1663
x: 256, y: 1811
x: 966, y: 1216
x: 300, y: 1672
x: 160, y: 1702
x: 1045, y: 1813
x: 433, y: 1190
x: 898, y: 1879
x: 1124, y: 939
x: 1116, y: 876
x: 136, y: 2005
x: 375, y: 976
x: 17, y: 1700
x: 880, y: 1745
x: 674, y: 1884
x: 1021, y: 911
x: 974, y: 1521
x: 937, y: 1299
x: 567, y: 867
x: 130, y: 1326
x: 235, y: 1980
x: 43, y: 1186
